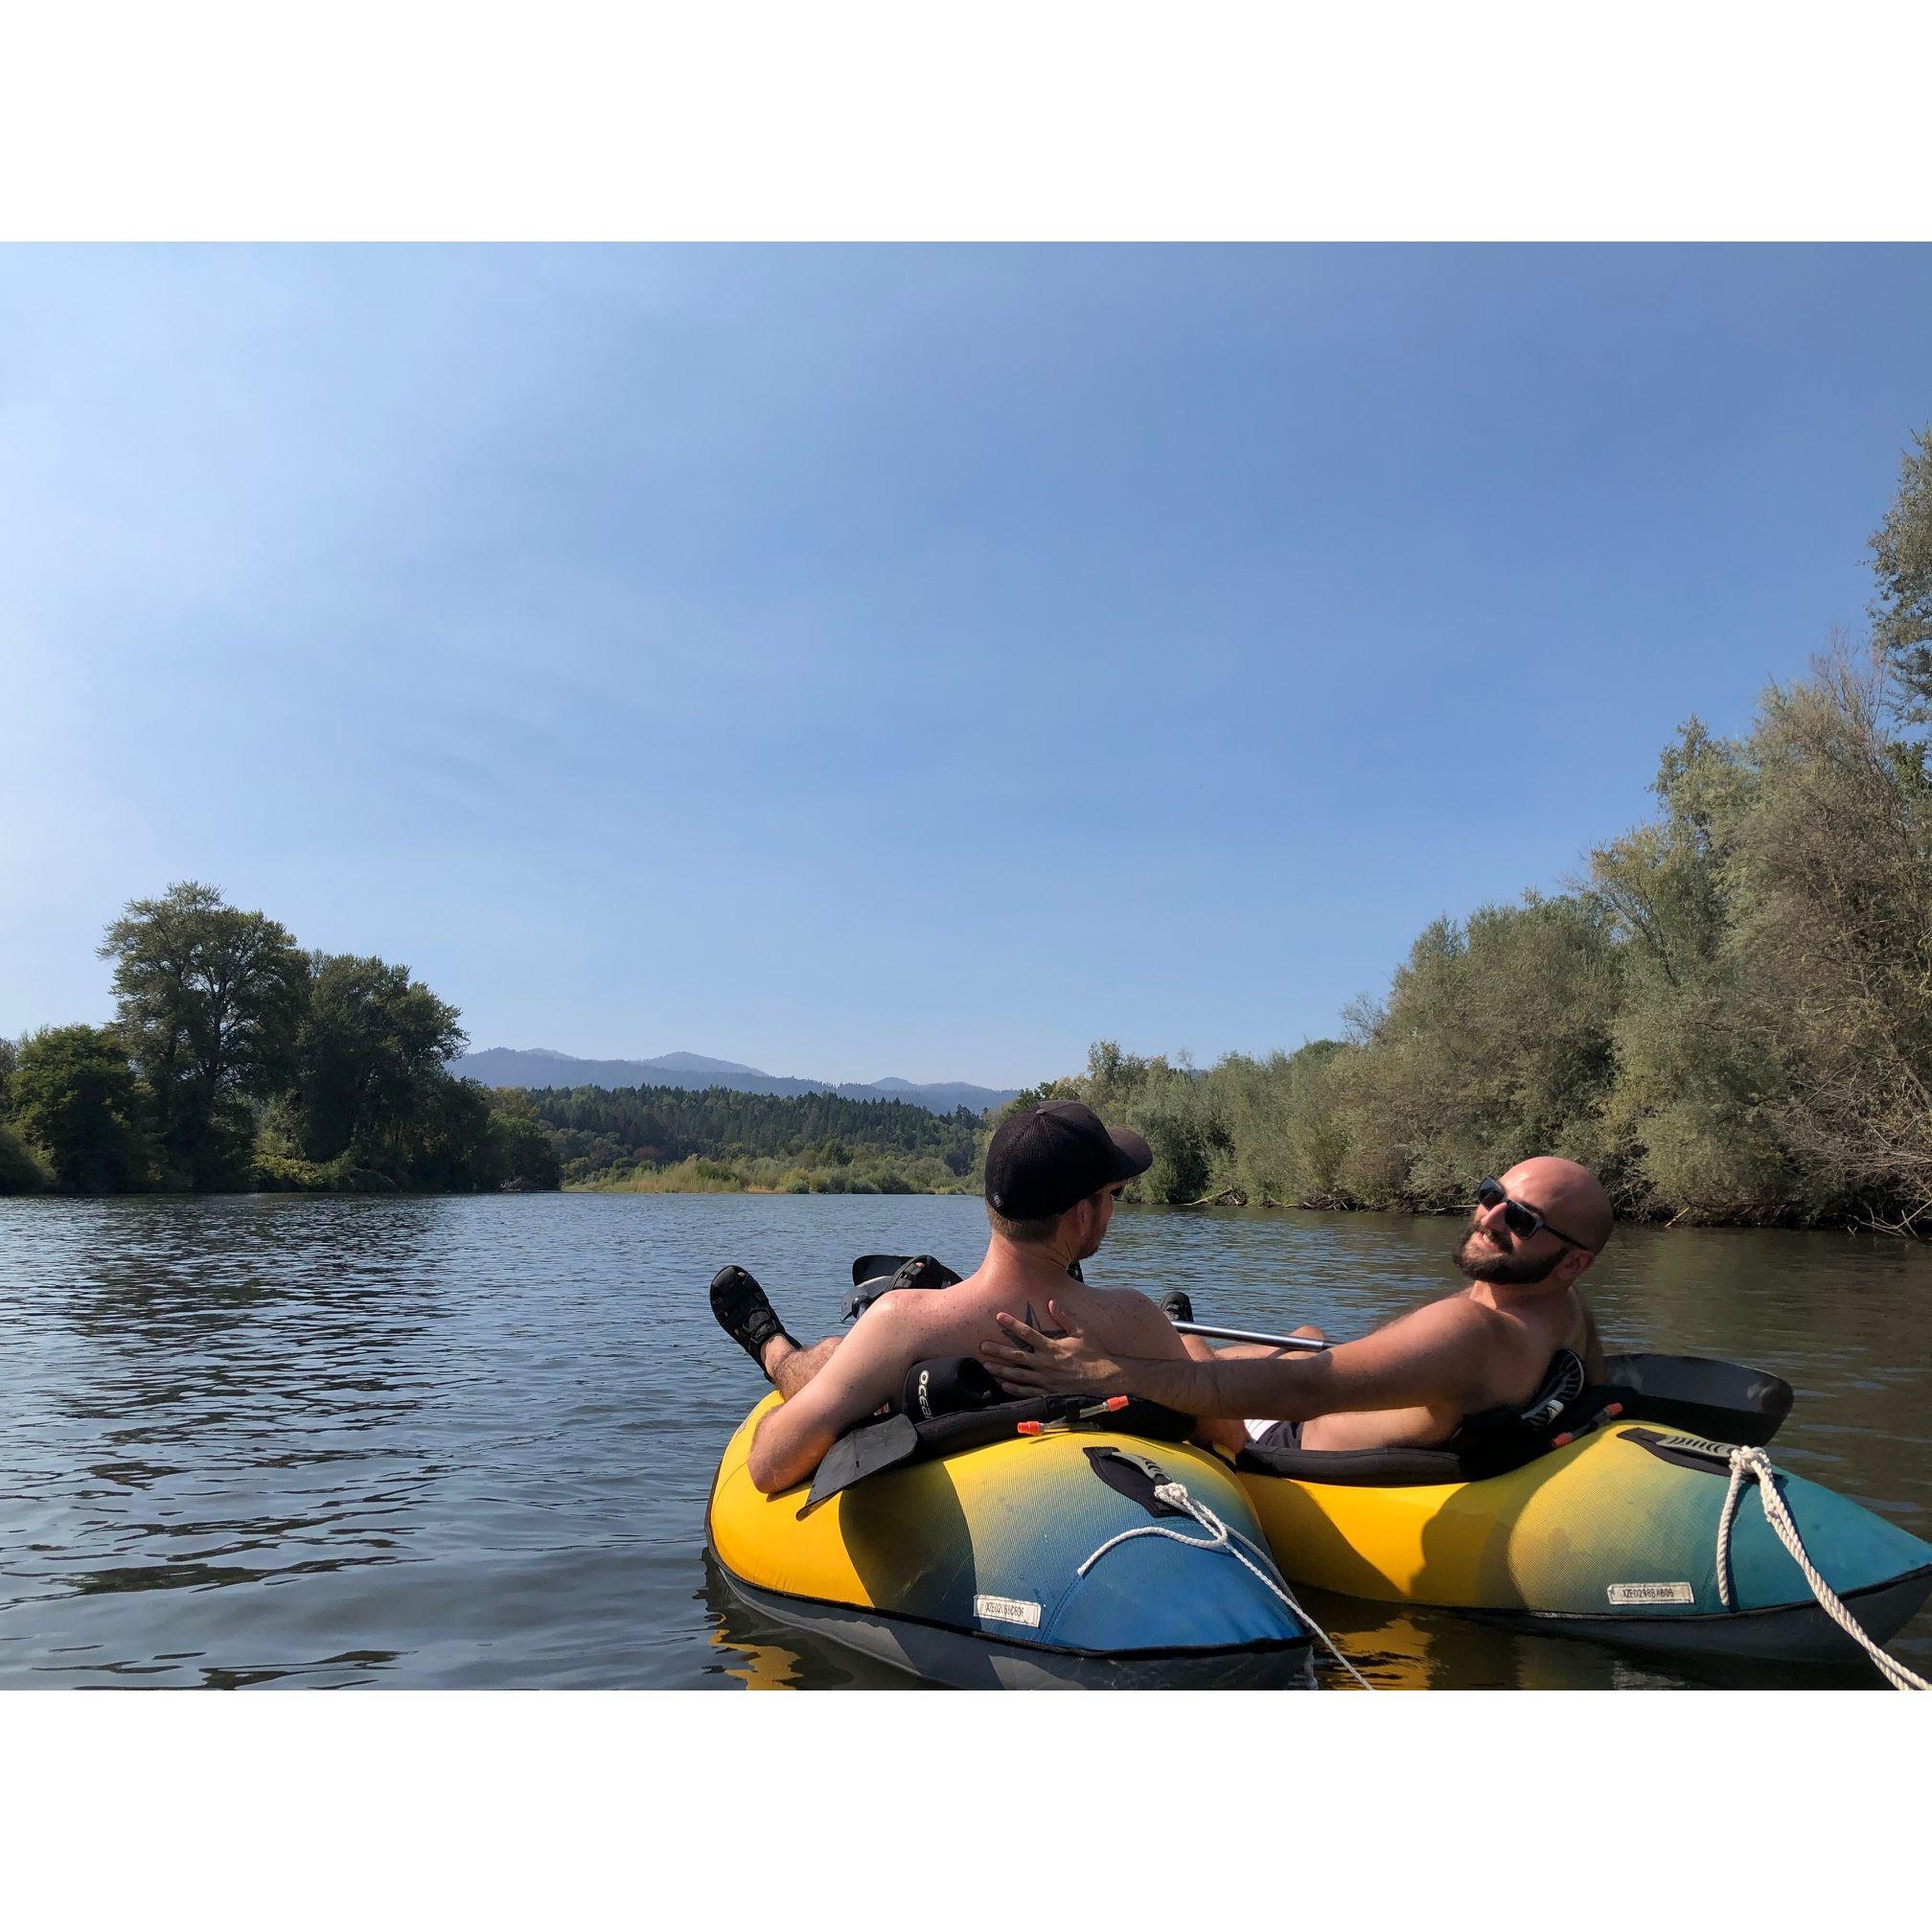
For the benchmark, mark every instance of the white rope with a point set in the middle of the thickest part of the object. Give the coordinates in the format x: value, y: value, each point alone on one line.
x: 1753, y: 1462
x: 1219, y: 1535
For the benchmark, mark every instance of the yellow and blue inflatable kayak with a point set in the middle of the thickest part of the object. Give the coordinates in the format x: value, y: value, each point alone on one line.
x: 1612, y: 1533
x: 967, y: 1552
x: 970, y: 1554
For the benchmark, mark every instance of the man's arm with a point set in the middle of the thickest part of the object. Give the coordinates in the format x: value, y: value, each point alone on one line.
x: 1433, y: 1356
x: 1129, y: 1324
x: 865, y: 1370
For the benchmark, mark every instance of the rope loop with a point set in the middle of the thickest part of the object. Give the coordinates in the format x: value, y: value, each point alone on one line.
x: 1749, y: 1464
x: 1220, y: 1537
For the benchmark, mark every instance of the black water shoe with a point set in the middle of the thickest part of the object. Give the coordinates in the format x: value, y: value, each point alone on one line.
x: 1176, y: 1306
x: 744, y: 1312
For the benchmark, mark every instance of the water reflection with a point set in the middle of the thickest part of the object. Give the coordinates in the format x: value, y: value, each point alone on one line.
x: 767, y: 1656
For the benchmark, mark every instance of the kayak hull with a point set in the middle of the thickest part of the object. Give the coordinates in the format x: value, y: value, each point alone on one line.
x: 971, y: 1661
x: 967, y: 1570
x: 1613, y: 1538
x: 1798, y: 1633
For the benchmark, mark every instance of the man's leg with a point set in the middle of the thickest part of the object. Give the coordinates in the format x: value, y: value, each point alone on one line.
x: 1223, y: 1431
x: 789, y: 1366
x: 745, y: 1313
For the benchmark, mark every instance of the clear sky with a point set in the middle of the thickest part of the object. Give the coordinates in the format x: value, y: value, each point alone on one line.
x: 922, y: 661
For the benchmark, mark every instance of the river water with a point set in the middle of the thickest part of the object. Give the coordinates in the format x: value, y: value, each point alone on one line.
x: 283, y: 1440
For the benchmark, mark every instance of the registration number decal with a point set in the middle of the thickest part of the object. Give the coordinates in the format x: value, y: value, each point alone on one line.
x: 1652, y: 1592
x: 1007, y: 1610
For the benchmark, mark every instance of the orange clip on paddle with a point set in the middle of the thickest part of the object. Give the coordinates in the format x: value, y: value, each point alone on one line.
x: 1105, y: 1408
x: 1608, y: 1412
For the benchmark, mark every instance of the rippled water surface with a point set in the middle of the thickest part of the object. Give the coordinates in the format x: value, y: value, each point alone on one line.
x: 270, y: 1439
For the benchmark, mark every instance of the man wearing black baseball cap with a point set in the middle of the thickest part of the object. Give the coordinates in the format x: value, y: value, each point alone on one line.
x: 1053, y: 1174
x: 1045, y: 1160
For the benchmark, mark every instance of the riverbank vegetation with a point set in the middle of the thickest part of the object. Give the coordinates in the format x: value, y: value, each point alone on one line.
x: 1728, y: 1016
x: 236, y: 1060
x: 669, y: 1140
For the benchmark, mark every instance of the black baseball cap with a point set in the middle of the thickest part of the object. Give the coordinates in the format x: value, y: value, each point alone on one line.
x: 1044, y: 1160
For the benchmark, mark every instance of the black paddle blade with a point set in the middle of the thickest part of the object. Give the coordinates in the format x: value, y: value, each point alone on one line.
x: 861, y: 1452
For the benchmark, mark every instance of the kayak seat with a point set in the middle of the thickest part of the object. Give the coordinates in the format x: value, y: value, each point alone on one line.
x: 1487, y: 1444
x: 877, y: 1274
x: 1721, y: 1400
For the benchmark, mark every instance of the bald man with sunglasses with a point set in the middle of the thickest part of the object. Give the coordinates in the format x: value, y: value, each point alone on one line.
x: 1408, y: 1385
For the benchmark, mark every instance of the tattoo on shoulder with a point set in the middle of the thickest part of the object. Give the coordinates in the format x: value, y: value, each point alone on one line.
x: 1040, y: 1328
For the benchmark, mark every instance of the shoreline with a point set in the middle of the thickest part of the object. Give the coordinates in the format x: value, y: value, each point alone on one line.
x: 1208, y: 1204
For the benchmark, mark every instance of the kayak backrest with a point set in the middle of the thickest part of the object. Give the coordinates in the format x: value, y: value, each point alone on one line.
x: 1719, y: 1399
x: 877, y: 1274
x: 884, y: 1272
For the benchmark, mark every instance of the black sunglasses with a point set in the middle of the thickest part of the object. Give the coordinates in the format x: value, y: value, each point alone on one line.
x: 1522, y: 1221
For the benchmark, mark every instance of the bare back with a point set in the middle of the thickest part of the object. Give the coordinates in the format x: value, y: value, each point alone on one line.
x: 956, y: 1320
x: 868, y: 1368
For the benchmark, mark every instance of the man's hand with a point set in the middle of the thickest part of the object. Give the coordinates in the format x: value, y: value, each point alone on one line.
x: 1051, y: 1365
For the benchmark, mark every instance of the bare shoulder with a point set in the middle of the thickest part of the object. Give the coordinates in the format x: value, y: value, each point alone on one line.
x: 1125, y: 1313
x: 894, y: 1317
x: 1451, y: 1329
x: 1447, y: 1316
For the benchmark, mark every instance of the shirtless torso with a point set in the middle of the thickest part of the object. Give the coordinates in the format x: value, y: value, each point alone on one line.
x: 868, y: 1368
x: 1513, y: 1345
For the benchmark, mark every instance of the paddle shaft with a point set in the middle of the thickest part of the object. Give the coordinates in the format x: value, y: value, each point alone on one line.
x: 1246, y: 1335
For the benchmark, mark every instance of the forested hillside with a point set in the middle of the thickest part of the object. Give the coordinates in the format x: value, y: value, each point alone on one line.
x: 538, y: 1068
x: 717, y: 1139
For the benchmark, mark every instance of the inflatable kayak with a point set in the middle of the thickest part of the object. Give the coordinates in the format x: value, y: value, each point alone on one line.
x: 1609, y: 1532
x: 974, y: 1551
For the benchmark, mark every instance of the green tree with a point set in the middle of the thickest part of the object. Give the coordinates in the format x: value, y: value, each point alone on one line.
x: 1835, y: 918
x: 1495, y: 1041
x: 1286, y: 1124
x: 523, y: 1152
x: 208, y: 1001
x: 454, y: 1148
x: 1775, y: 1044
x: 1688, y: 1108
x: 1901, y: 558
x: 22, y: 1170
x: 369, y: 1057
x: 74, y: 1095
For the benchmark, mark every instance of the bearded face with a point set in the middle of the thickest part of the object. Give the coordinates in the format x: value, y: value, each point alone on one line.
x: 1497, y: 1257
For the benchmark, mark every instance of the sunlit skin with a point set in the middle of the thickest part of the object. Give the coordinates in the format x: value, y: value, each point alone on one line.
x: 1410, y: 1382
x: 839, y: 1381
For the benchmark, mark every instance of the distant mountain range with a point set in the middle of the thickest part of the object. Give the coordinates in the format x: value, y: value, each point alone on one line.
x: 540, y: 1067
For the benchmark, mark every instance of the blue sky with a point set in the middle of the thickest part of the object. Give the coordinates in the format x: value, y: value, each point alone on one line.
x: 915, y: 661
